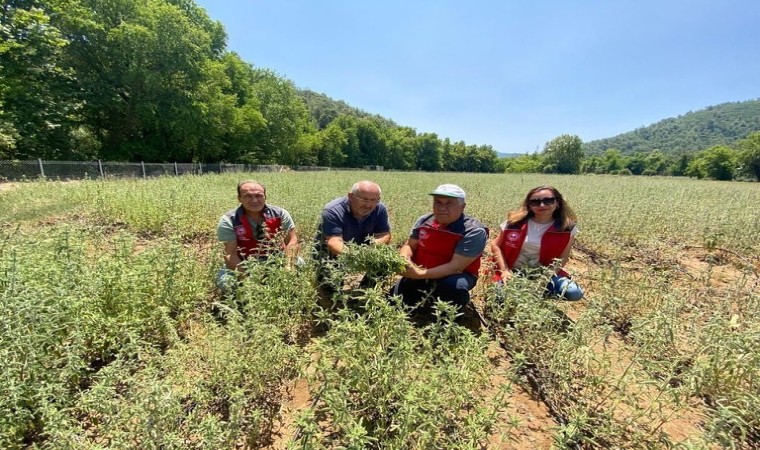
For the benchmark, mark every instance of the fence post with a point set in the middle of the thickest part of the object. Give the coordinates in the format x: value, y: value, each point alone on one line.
x: 42, y: 169
x: 220, y: 167
x: 142, y: 165
x: 176, y: 173
x: 100, y: 169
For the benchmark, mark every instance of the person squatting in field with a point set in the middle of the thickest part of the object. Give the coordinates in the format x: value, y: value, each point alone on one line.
x: 353, y: 218
x: 443, y: 251
x: 248, y: 230
x: 537, y: 234
x: 359, y: 217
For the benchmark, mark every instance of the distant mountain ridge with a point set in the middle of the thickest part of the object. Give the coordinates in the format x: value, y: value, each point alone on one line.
x: 508, y: 155
x: 722, y: 124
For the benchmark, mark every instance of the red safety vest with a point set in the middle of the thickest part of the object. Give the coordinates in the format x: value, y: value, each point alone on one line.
x: 436, y: 245
x: 553, y: 243
x: 247, y: 244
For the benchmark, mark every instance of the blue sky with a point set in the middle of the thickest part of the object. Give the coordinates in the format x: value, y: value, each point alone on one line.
x: 511, y: 74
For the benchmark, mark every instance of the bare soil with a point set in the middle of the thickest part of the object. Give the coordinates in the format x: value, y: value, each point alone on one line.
x: 526, y: 422
x: 298, y: 399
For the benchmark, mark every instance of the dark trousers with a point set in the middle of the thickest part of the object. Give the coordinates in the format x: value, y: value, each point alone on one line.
x: 453, y: 289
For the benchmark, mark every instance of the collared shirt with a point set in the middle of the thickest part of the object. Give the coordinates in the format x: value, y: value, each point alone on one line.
x: 337, y: 220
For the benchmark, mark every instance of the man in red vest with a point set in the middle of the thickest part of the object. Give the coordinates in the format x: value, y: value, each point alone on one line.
x: 248, y: 231
x: 443, y: 251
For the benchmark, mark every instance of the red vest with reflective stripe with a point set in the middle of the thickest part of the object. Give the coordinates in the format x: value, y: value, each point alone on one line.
x: 247, y: 243
x: 436, y: 244
x: 553, y: 243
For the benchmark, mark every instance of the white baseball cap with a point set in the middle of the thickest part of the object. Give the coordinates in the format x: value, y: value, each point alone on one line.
x: 449, y: 190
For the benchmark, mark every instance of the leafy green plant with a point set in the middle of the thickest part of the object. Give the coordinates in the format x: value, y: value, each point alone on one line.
x: 219, y: 388
x: 382, y: 383
x: 106, y: 288
x: 72, y: 302
x: 595, y: 403
x: 277, y: 293
x: 377, y: 260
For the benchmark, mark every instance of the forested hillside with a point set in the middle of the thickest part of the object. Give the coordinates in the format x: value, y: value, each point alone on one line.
x: 351, y: 137
x: 153, y: 81
x: 324, y: 109
x: 723, y: 124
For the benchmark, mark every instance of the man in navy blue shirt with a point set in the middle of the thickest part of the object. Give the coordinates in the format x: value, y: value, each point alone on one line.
x: 354, y: 218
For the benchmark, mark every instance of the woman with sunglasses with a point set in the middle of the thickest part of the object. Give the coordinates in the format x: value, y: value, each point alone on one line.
x: 537, y: 234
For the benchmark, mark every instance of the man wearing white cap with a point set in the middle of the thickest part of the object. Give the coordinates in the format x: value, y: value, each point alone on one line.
x: 443, y: 251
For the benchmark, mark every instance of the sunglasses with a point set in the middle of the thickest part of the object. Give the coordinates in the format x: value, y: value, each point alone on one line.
x: 548, y: 201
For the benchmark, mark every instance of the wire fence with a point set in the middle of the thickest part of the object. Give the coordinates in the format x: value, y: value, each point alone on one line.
x: 78, y: 170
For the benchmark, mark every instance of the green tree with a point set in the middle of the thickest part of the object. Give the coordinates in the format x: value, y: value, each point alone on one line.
x: 614, y: 160
x: 38, y: 104
x: 656, y: 162
x: 8, y: 136
x: 332, y: 141
x: 530, y: 163
x: 592, y: 164
x: 286, y: 120
x: 372, y: 142
x: 428, y: 152
x: 148, y: 79
x: 401, y: 148
x: 351, y: 148
x: 696, y: 168
x: 488, y: 160
x: 454, y: 156
x: 232, y: 109
x: 718, y: 162
x: 564, y: 154
x: 679, y: 166
x: 446, y: 155
x: 637, y: 163
x: 749, y: 155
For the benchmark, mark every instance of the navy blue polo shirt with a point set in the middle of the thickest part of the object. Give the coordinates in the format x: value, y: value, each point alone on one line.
x: 337, y: 220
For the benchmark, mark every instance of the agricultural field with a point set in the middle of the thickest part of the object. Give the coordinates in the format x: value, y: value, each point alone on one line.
x: 113, y: 335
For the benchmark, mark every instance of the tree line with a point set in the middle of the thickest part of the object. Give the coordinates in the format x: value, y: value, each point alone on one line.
x: 152, y: 80
x: 565, y: 154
